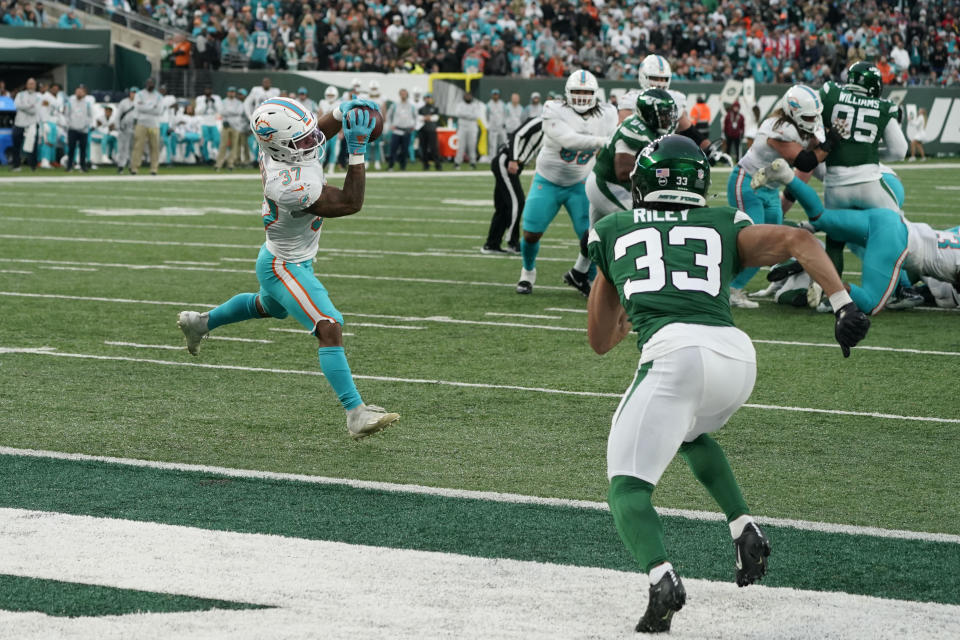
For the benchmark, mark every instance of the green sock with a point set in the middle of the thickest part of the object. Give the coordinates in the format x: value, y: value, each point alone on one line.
x: 834, y: 250
x: 636, y: 520
x: 711, y: 469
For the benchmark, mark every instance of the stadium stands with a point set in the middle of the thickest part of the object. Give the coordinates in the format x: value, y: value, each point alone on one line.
x: 914, y: 42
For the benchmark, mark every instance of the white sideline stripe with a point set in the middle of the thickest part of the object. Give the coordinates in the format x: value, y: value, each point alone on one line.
x: 418, y: 594
x: 137, y: 345
x: 50, y: 351
x: 489, y: 496
x: 563, y: 310
x: 20, y: 271
x: 859, y: 347
x: 523, y: 315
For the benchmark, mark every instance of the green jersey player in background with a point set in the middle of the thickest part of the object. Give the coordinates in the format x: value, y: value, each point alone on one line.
x: 608, y: 186
x: 665, y: 268
x: 854, y: 178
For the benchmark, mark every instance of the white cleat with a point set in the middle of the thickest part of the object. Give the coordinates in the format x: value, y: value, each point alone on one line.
x: 368, y: 419
x: 739, y: 299
x: 194, y: 327
x: 770, y: 291
x: 814, y: 294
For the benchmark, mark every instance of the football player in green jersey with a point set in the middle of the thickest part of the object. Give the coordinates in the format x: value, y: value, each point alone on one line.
x: 853, y: 177
x: 608, y: 185
x: 664, y: 272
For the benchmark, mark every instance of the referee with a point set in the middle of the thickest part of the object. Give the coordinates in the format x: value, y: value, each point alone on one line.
x: 506, y: 165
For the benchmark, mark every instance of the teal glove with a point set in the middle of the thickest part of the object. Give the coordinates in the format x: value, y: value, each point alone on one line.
x: 357, y: 127
x: 357, y: 102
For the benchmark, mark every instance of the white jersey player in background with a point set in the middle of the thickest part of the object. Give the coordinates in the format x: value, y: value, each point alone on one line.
x: 655, y: 73
x: 794, y: 132
x: 295, y: 202
x: 573, y: 130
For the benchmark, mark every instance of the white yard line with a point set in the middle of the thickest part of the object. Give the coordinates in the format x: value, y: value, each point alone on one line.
x: 192, y: 263
x: 448, y: 320
x: 348, y: 276
x: 490, y: 496
x: 59, y: 268
x: 48, y: 351
x: 302, y: 332
x: 232, y: 339
x: 564, y: 310
x: 137, y: 345
x: 384, y: 326
x: 859, y: 347
x: 322, y: 589
x: 532, y: 316
x: 255, y: 226
x: 19, y: 271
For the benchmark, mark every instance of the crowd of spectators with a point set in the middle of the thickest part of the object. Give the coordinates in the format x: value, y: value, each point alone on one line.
x: 914, y: 42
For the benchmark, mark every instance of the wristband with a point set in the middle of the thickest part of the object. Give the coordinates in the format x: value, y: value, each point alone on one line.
x: 337, y: 114
x: 357, y: 158
x: 839, y: 300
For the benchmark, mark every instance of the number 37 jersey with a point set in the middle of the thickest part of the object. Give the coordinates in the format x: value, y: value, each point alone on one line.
x: 670, y: 266
x: 293, y: 235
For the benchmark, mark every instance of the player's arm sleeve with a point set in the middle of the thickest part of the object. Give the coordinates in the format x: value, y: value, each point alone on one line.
x: 741, y: 221
x: 896, y: 142
x: 596, y: 253
x: 561, y: 133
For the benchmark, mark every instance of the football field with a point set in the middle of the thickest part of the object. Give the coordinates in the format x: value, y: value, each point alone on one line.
x: 145, y: 492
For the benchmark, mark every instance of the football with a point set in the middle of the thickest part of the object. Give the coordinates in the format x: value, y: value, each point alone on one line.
x: 378, y: 119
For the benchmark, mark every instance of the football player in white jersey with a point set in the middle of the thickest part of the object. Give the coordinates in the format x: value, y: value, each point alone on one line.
x: 655, y: 73
x: 573, y: 130
x: 794, y: 132
x: 295, y: 202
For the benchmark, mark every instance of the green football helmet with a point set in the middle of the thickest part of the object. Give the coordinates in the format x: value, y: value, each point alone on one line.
x: 671, y: 170
x: 657, y: 110
x: 863, y: 77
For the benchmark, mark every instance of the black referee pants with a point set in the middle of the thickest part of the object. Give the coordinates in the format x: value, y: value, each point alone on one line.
x: 508, y: 202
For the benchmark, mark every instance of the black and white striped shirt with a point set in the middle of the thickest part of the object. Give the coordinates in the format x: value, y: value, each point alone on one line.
x: 524, y: 143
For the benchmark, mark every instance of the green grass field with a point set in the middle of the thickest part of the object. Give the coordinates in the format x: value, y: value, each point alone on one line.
x: 96, y: 271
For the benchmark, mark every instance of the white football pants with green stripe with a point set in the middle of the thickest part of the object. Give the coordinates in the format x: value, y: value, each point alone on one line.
x: 605, y: 198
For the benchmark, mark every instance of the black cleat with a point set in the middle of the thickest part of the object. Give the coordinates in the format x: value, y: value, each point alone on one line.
x: 490, y: 250
x: 524, y: 287
x: 904, y: 298
x: 578, y: 280
x: 666, y: 598
x: 784, y: 270
x: 513, y: 248
x: 752, y: 550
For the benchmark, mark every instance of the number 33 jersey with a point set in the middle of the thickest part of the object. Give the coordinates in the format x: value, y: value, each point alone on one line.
x: 565, y: 165
x: 670, y: 266
x: 293, y: 235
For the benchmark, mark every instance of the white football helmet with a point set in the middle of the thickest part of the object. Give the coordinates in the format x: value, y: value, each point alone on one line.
x: 582, y: 81
x: 287, y: 132
x: 655, y: 73
x: 373, y: 88
x: 802, y: 105
x: 331, y: 93
x: 355, y: 85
